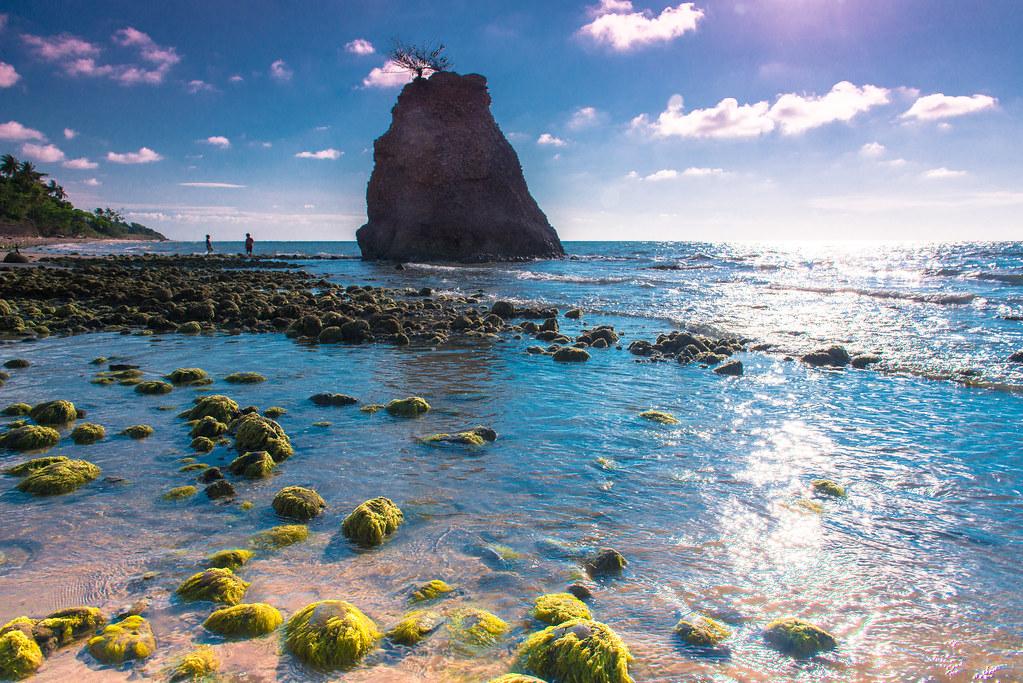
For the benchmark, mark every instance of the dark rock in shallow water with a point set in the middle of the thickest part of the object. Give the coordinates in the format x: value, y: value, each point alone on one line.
x: 732, y: 368
x: 835, y: 356
x: 1016, y: 357
x: 447, y: 185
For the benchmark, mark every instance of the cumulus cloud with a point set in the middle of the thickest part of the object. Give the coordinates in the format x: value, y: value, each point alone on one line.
x: 70, y: 133
x: 329, y: 153
x: 59, y: 47
x: 92, y: 182
x: 279, y: 71
x: 236, y: 79
x: 943, y: 174
x: 798, y: 113
x: 360, y: 46
x: 43, y: 153
x: 940, y: 106
x: 8, y: 75
x: 618, y: 25
x: 663, y: 174
x: 80, y: 164
x: 225, y: 186
x: 218, y: 141
x: 198, y: 86
x: 390, y: 75
x: 550, y: 140
x: 584, y: 117
x: 703, y: 172
x: 672, y: 174
x: 78, y: 57
x: 143, y: 156
x: 872, y: 150
x: 12, y: 130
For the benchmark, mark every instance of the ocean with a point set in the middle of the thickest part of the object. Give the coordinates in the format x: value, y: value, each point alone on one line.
x: 915, y: 572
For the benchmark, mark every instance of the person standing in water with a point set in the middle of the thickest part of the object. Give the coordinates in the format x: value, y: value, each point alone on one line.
x: 209, y: 246
x: 249, y: 243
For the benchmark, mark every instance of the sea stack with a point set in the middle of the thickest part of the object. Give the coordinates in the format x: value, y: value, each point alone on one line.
x: 447, y: 185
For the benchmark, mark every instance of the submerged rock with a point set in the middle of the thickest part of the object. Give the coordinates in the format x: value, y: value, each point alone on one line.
x: 606, y: 562
x: 63, y: 476
x: 297, y: 502
x: 254, y: 465
x: 415, y: 626
x: 123, y: 641
x: 253, y: 432
x: 327, y: 399
x: 413, y: 406
x: 580, y: 650
x: 281, y: 536
x: 17, y: 409
x: 87, y: 433
x: 658, y: 416
x: 154, y: 388
x: 229, y: 559
x: 570, y: 354
x: 557, y: 608
x: 138, y: 431
x: 197, y: 665
x: 431, y: 590
x: 30, y: 466
x: 732, y: 368
x: 215, y: 585
x: 29, y: 438
x: 834, y: 356
x: 54, y: 413
x: 66, y: 626
x: 245, y: 378
x: 219, y: 489
x: 217, y: 406
x: 828, y: 487
x: 476, y: 627
x: 797, y: 637
x: 244, y: 621
x: 189, y: 376
x: 20, y: 656
x: 372, y: 521
x: 447, y: 185
x: 180, y: 493
x: 702, y: 631
x: 330, y: 634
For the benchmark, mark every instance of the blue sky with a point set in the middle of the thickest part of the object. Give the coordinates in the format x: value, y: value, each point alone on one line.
x: 722, y: 119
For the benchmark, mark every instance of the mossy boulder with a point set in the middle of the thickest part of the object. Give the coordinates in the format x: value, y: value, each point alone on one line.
x: 330, y: 634
x: 297, y: 502
x: 20, y: 656
x: 827, y: 487
x: 580, y: 651
x: 229, y: 559
x: 191, y: 327
x: 17, y: 409
x: 431, y: 590
x: 59, y: 477
x: 798, y: 638
x: 30, y: 466
x: 17, y: 364
x: 244, y: 621
x: 372, y: 521
x: 461, y: 438
x: 659, y: 416
x: 570, y: 354
x: 702, y: 631
x: 29, y: 438
x: 335, y: 400
x: 415, y: 626
x: 217, y: 406
x: 66, y: 626
x: 253, y: 432
x: 244, y: 378
x: 138, y: 431
x: 210, y: 427
x: 274, y: 412
x: 606, y: 562
x: 256, y: 465
x: 54, y: 413
x: 154, y: 387
x: 476, y: 628
x: 202, y: 444
x: 123, y: 641
x: 215, y: 585
x: 198, y: 665
x: 557, y: 608
x: 517, y: 678
x: 281, y: 536
x: 413, y: 406
x: 180, y: 493
x: 188, y: 376
x: 88, y: 433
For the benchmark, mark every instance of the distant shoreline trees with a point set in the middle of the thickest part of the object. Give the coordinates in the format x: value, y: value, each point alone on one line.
x: 419, y: 59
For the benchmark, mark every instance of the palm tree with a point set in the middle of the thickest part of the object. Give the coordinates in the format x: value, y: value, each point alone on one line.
x: 27, y: 170
x: 8, y: 165
x: 55, y: 190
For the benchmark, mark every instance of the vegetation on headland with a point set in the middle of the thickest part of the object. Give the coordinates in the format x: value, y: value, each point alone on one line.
x: 35, y: 207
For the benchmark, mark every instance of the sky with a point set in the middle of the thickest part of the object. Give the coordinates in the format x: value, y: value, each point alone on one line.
x: 707, y: 120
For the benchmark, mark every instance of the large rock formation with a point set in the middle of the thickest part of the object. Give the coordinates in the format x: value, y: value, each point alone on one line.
x: 447, y: 185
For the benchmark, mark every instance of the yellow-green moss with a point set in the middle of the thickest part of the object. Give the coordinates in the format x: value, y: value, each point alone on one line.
x: 191, y: 327
x: 63, y: 476
x: 476, y: 628
x: 557, y: 608
x: 245, y: 378
x: 372, y: 521
x: 606, y: 562
x: 88, y: 433
x: 154, y: 387
x: 29, y: 438
x: 516, y: 678
x: 202, y: 444
x: 806, y: 505
x: 431, y: 590
x: 215, y: 405
x: 371, y: 408
x: 210, y: 427
x: 702, y: 631
x: 54, y: 413
x: 66, y: 626
x: 408, y: 407
x: 193, y: 467
x: 797, y: 637
x: 246, y: 505
x: 20, y: 656
x: 330, y: 634
x: 17, y: 409
x: 281, y: 536
x: 415, y: 626
x: 217, y: 584
x: 658, y: 416
x: 570, y: 354
x: 828, y: 487
x: 274, y: 412
x: 253, y: 465
x: 244, y: 621
x: 128, y: 639
x: 180, y: 493
x: 463, y: 438
x: 253, y: 432
x: 30, y: 466
x: 188, y: 376
x: 230, y: 559
x: 197, y: 665
x: 138, y: 431
x: 297, y: 502
x: 580, y: 651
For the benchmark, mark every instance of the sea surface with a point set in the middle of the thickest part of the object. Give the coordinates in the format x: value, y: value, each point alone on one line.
x: 917, y: 572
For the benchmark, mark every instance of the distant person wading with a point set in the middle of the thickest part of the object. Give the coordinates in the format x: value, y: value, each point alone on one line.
x: 209, y: 245
x: 249, y: 243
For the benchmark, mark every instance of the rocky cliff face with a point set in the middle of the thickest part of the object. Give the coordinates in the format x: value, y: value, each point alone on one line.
x: 446, y: 184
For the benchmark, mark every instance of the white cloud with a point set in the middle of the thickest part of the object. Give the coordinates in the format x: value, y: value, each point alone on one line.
x: 92, y: 182
x: 77, y: 56
x: 940, y: 106
x: 616, y: 24
x: 198, y: 86
x: 70, y: 133
x: 703, y: 172
x: 672, y: 174
x: 872, y: 150
x: 550, y: 140
x: 308, y: 206
x: 798, y: 113
x: 12, y: 130
x: 44, y: 153
x: 60, y: 47
x: 80, y: 164
x: 390, y: 75
x: 943, y: 174
x: 279, y: 71
x: 218, y: 141
x: 584, y: 117
x: 225, y: 186
x: 143, y: 156
x: 360, y: 46
x: 895, y: 163
x: 663, y: 174
x: 236, y: 79
x: 329, y: 153
x: 8, y: 75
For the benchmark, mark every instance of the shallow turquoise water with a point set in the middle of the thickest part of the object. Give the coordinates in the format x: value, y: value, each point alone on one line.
x: 916, y: 572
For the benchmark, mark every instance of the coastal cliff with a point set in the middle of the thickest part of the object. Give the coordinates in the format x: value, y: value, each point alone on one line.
x: 446, y: 183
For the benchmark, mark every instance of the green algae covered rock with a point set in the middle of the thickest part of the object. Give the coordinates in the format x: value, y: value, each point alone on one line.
x: 59, y: 477
x: 462, y: 438
x: 217, y: 406
x: 252, y: 465
x: 154, y: 387
x: 29, y: 438
x: 570, y: 354
x: 20, y: 656
x: 230, y: 559
x: 580, y: 651
x: 17, y: 409
x: 30, y: 466
x: 17, y: 364
x: 827, y: 487
x: 281, y: 536
x: 330, y: 634
x: 253, y: 432
x: 88, y: 433
x: 138, y: 431
x: 125, y: 640
x: 188, y: 376
x: 244, y: 621
x: 557, y: 608
x: 476, y: 628
x: 245, y: 378
x: 372, y: 521
x: 66, y: 626
x: 191, y: 327
x: 606, y: 562
x: 210, y: 427
x: 797, y: 637
x: 415, y: 626
x: 215, y: 585
x: 431, y: 590
x: 412, y: 406
x: 516, y: 678
x: 658, y: 416
x: 197, y: 665
x: 202, y: 444
x: 180, y: 493
x: 298, y: 503
x: 702, y: 631
x: 274, y: 412
x: 54, y: 413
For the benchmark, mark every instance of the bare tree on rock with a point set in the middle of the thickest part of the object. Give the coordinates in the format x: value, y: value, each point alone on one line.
x: 419, y: 59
